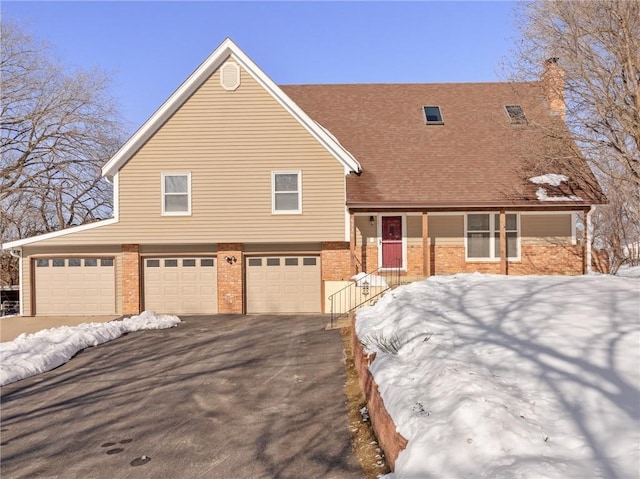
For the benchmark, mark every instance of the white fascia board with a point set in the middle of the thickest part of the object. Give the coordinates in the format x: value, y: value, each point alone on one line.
x: 115, y: 182
x: 74, y: 229
x: 168, y: 108
x: 195, y: 80
x: 548, y: 213
x: 55, y: 234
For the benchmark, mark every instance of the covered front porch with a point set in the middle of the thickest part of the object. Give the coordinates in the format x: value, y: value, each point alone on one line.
x: 505, y: 241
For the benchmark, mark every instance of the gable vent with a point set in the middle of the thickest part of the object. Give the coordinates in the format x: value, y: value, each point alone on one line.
x: 230, y: 76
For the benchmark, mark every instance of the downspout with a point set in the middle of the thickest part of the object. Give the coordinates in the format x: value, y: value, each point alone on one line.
x: 589, y: 231
x: 18, y: 254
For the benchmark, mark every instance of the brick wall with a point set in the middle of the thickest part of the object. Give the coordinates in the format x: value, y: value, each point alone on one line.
x: 600, y: 261
x: 336, y: 261
x: 130, y: 279
x: 415, y: 264
x: 368, y: 257
x: 549, y: 260
x: 534, y: 260
x: 391, y: 442
x: 230, y: 278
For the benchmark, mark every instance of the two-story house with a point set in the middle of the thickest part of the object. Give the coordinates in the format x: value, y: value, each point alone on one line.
x: 242, y: 196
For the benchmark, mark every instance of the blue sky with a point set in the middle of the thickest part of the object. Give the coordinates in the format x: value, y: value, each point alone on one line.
x: 151, y: 47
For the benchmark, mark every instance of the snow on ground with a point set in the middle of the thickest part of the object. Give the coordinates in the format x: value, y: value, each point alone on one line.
x: 31, y: 354
x: 629, y: 272
x: 511, y: 377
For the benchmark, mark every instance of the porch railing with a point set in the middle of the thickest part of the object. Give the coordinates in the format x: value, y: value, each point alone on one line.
x: 363, y: 289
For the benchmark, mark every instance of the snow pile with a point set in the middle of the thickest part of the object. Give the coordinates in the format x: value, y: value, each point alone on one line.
x: 542, y: 195
x: 629, y: 272
x: 510, y: 377
x: 31, y: 354
x: 370, y: 279
x: 551, y: 179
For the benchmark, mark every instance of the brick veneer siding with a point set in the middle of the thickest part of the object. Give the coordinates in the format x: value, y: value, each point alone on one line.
x: 230, y: 279
x: 391, y: 441
x: 549, y: 260
x: 600, y: 261
x: 131, y: 279
x: 336, y: 261
x: 367, y: 258
x: 535, y: 259
x: 415, y: 263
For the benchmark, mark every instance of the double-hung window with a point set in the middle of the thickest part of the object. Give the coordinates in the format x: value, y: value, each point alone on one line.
x: 286, y: 192
x: 483, y: 236
x: 176, y: 194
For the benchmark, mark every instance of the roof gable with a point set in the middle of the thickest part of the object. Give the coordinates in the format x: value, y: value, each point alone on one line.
x: 225, y: 50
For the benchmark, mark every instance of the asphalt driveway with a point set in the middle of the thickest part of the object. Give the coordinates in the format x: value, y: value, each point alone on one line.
x: 222, y: 396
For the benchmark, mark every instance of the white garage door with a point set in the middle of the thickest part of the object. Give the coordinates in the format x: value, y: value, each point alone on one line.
x: 181, y: 285
x: 74, y: 286
x: 283, y: 284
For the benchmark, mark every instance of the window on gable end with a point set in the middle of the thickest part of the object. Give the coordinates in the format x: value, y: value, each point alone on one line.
x: 176, y: 194
x: 516, y: 114
x: 286, y: 192
x: 432, y: 115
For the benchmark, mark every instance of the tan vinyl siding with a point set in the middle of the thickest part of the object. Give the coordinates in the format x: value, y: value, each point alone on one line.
x: 180, y: 250
x: 414, y: 230
x: 446, y: 230
x: 300, y: 248
x: 546, y: 229
x: 26, y: 285
x: 230, y: 142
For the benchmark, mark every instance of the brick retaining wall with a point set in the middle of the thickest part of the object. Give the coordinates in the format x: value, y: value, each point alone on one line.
x: 389, y: 439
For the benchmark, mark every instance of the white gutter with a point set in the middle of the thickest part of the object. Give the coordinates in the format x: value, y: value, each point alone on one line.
x: 589, y: 230
x: 17, y: 253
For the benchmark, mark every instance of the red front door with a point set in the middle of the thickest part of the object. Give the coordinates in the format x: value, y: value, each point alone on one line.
x: 392, y: 241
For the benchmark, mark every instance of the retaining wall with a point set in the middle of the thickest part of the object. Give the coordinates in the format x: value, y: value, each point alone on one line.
x: 389, y: 439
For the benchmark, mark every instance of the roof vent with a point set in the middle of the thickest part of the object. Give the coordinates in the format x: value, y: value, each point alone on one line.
x: 516, y: 114
x: 230, y: 76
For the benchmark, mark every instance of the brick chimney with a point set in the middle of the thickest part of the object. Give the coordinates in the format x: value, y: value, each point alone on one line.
x: 553, y: 84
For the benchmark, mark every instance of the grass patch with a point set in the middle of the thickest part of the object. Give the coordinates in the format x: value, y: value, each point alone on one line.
x: 386, y: 344
x: 364, y: 442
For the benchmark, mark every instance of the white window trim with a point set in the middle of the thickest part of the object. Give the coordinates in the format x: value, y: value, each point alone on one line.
x: 378, y: 217
x: 492, y: 230
x: 162, y: 196
x: 273, y: 192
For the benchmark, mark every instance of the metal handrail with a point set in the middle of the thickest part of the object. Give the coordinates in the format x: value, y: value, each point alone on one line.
x: 362, y: 291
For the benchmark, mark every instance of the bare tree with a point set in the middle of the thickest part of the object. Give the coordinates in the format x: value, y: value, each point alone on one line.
x: 614, y: 229
x: 594, y: 48
x: 58, y: 126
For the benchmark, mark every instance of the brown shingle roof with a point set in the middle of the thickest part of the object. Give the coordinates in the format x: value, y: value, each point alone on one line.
x: 477, y: 158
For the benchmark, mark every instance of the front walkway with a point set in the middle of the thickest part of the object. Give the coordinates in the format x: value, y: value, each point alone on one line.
x: 224, y: 396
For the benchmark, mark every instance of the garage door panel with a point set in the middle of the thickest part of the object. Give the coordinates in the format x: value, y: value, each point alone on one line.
x: 66, y: 286
x: 181, y: 285
x: 284, y: 284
